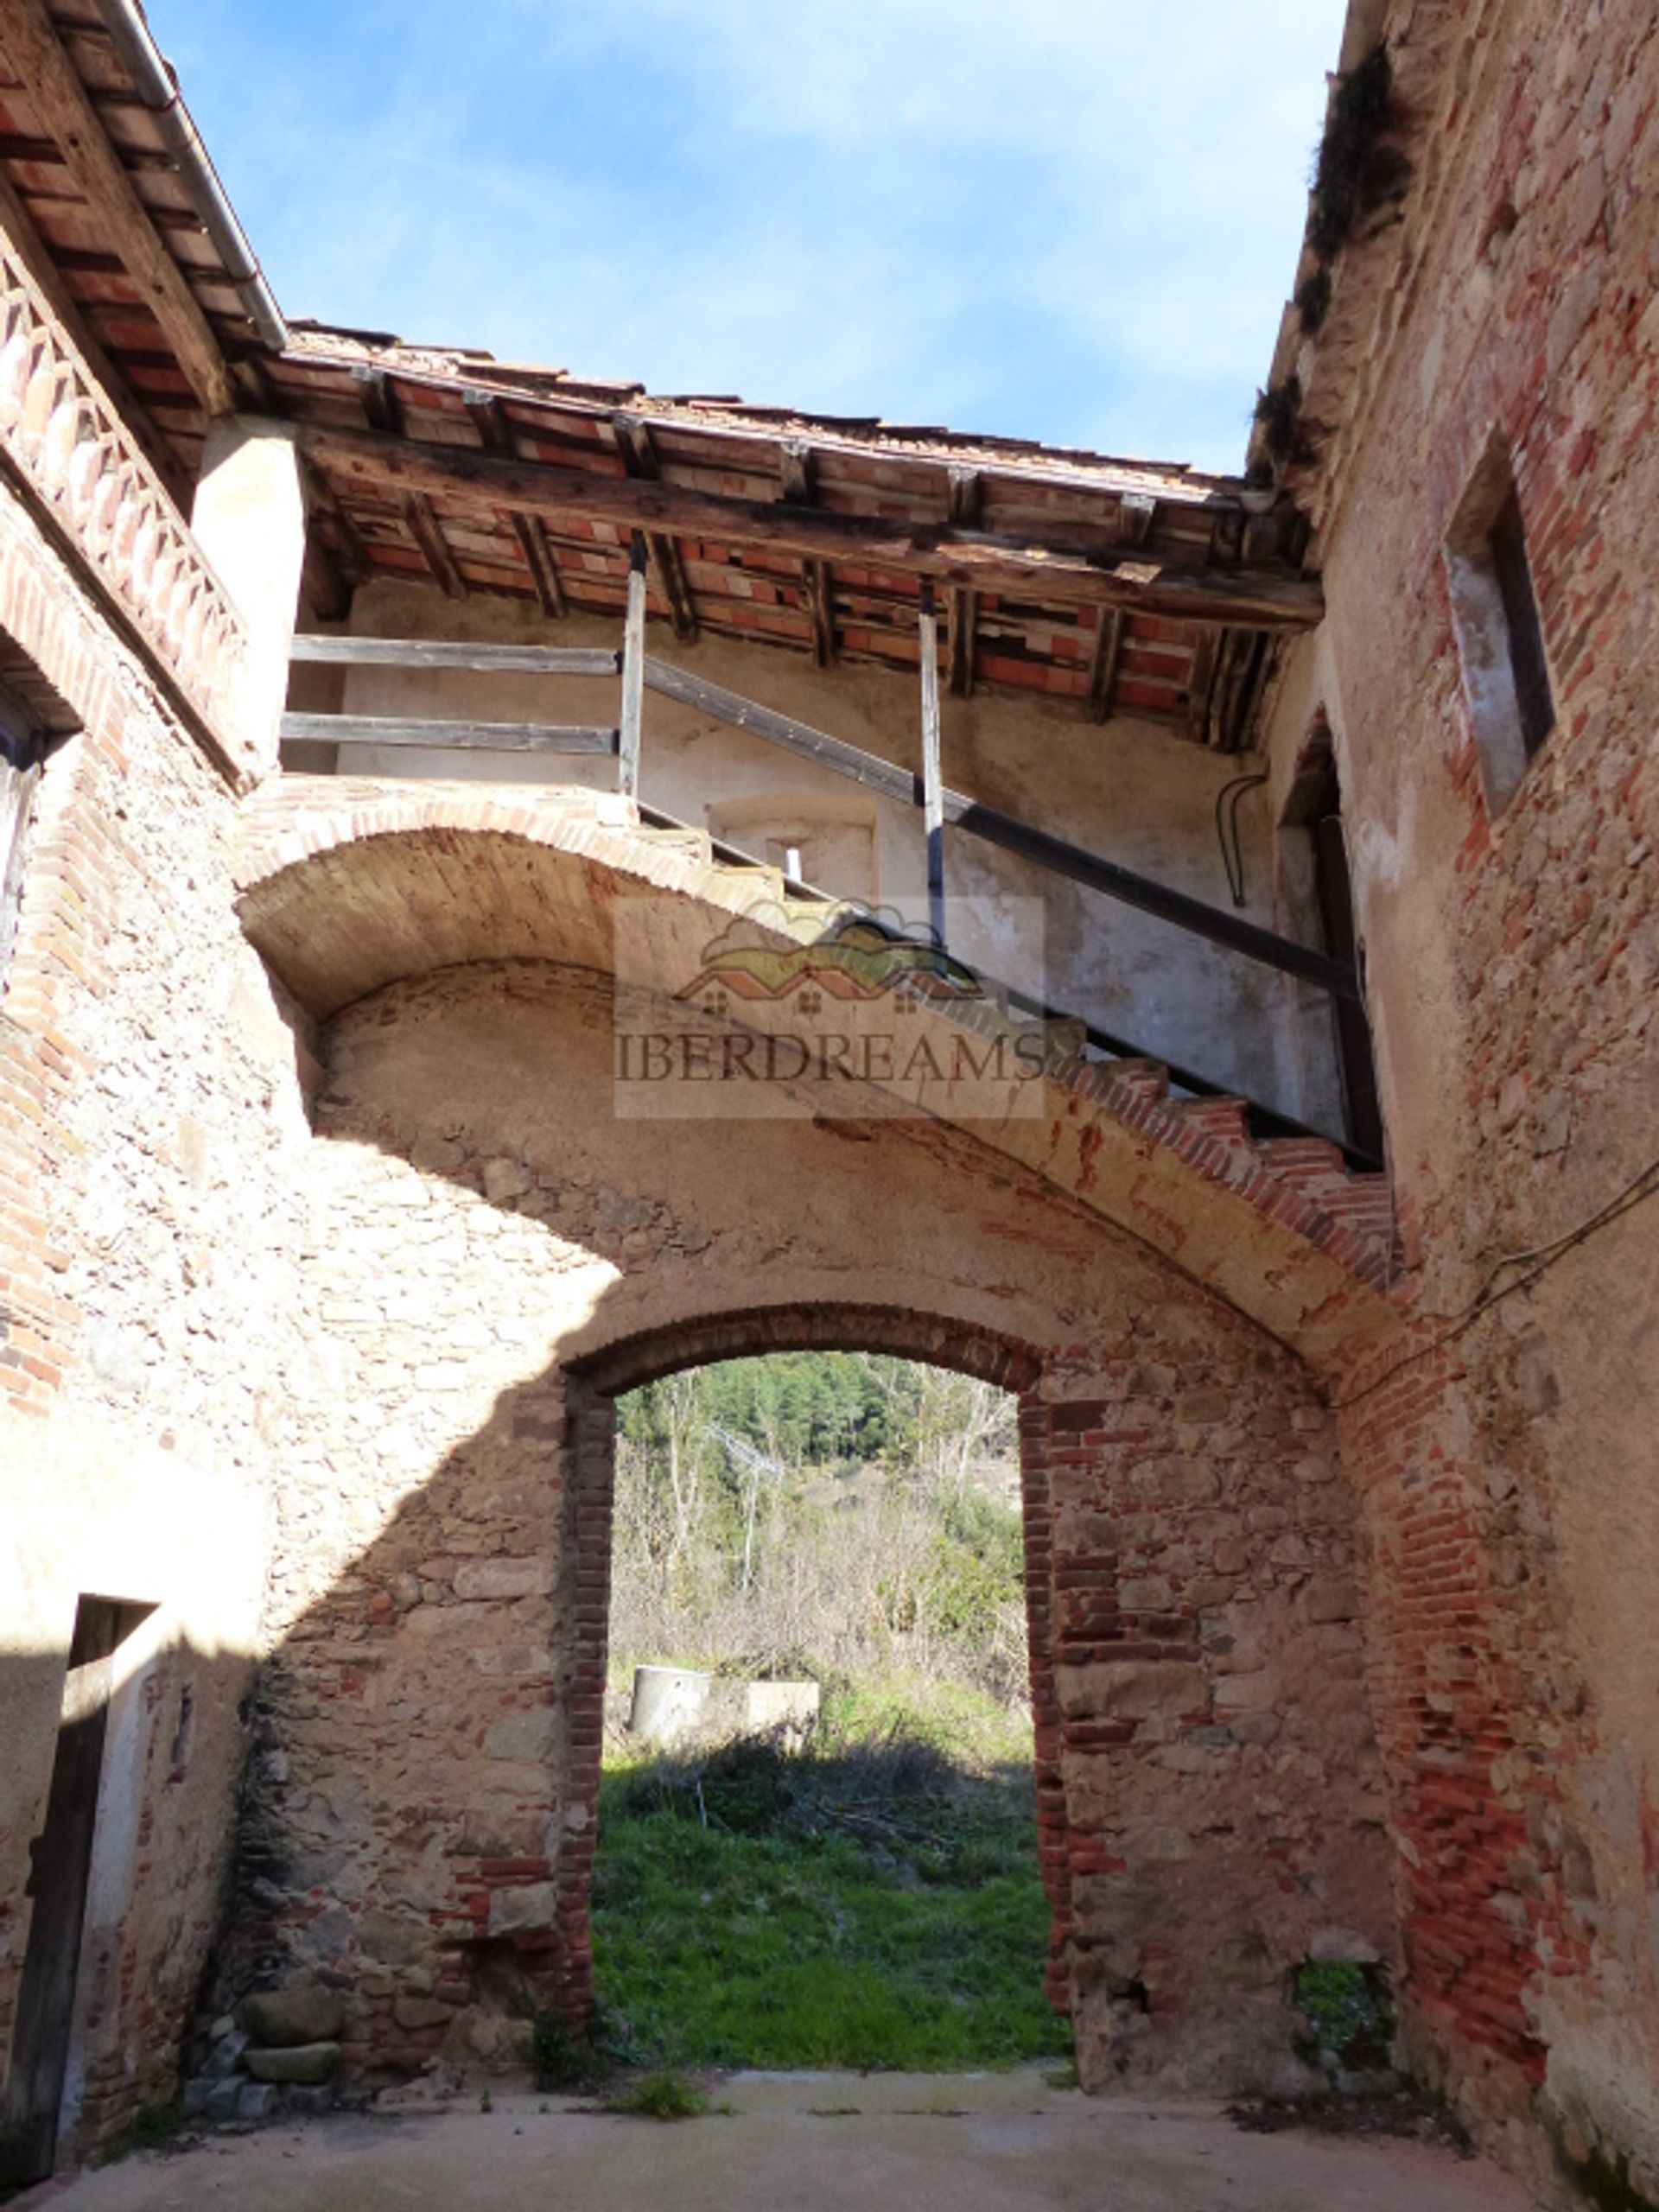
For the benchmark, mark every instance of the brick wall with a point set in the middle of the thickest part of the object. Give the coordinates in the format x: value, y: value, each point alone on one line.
x: 1509, y: 1526
x: 149, y: 1118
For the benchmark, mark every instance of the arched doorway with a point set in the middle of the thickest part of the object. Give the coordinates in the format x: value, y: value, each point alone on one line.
x: 594, y: 1386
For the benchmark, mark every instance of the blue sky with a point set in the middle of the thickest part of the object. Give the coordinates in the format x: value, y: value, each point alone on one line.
x: 1069, y: 220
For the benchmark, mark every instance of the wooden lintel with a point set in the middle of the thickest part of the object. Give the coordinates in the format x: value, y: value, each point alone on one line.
x: 119, y: 217
x: 1102, y: 662
x: 1199, y: 686
x: 427, y: 533
x: 638, y: 451
x: 544, y: 568
x: 982, y: 560
x: 962, y: 620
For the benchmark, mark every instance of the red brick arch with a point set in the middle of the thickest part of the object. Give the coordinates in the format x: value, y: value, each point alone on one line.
x: 347, y: 888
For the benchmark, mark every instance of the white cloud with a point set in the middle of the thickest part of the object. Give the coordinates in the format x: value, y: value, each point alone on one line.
x: 1075, y: 218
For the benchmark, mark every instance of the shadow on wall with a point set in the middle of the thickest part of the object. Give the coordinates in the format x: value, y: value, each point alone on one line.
x: 495, y: 1254
x: 492, y: 1253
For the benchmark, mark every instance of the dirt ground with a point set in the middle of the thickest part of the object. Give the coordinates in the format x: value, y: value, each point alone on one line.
x: 797, y: 2143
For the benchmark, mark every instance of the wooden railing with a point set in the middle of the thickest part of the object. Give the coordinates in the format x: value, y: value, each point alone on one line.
x: 636, y: 672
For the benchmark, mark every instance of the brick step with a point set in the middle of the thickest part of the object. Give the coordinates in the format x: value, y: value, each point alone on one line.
x: 1224, y: 1121
x: 1312, y: 1164
x: 695, y: 844
x: 1147, y: 1079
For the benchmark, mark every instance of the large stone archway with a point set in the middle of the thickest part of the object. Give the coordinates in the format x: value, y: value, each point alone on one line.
x: 493, y: 1253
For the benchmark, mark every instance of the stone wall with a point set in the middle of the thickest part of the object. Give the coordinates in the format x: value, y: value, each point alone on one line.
x: 150, y: 1126
x: 1510, y: 1523
x: 491, y: 1251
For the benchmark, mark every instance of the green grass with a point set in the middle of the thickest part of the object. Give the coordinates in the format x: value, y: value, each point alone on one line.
x: 870, y: 1904
x: 662, y: 2094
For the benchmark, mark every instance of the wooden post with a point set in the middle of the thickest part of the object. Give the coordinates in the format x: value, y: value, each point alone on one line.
x: 633, y: 667
x: 932, y: 778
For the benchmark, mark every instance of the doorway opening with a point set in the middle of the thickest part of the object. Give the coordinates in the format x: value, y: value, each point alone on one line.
x: 60, y: 1863
x: 816, y: 1837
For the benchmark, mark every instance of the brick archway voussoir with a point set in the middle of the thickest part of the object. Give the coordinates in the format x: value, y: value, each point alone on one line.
x: 347, y: 887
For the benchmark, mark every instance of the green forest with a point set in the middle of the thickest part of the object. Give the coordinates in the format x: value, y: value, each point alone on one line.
x: 866, y: 1896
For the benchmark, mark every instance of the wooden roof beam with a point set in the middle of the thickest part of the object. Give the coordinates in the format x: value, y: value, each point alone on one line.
x: 1102, y: 662
x: 66, y: 112
x: 489, y: 419
x: 982, y: 560
x: 795, y: 477
x: 380, y: 402
x: 427, y: 533
x: 638, y: 451
x: 1200, y: 685
x: 544, y: 568
x: 962, y: 605
x: 1136, y: 513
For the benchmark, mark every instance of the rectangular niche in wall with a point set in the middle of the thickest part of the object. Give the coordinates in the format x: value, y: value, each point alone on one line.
x: 1500, y: 635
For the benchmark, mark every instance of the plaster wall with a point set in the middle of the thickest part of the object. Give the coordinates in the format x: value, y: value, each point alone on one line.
x: 1131, y: 792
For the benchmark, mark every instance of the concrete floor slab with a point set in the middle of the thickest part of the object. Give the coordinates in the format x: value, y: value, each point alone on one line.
x: 801, y: 2143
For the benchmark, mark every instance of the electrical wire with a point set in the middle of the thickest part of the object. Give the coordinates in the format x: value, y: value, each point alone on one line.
x: 1537, y: 1261
x: 1233, y: 861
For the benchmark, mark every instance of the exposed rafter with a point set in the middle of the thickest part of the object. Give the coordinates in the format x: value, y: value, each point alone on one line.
x: 1136, y: 513
x: 380, y: 402
x: 1103, y: 662
x: 427, y: 533
x: 489, y: 419
x: 961, y: 607
x: 979, y: 560
x: 795, y: 477
x: 544, y: 568
x: 638, y: 451
x: 67, y: 113
x: 1199, y: 687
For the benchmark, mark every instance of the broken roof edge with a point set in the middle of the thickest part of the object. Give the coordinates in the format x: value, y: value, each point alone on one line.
x: 456, y: 369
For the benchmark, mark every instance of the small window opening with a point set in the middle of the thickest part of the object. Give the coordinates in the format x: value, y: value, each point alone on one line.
x: 179, y: 1758
x: 1500, y: 634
